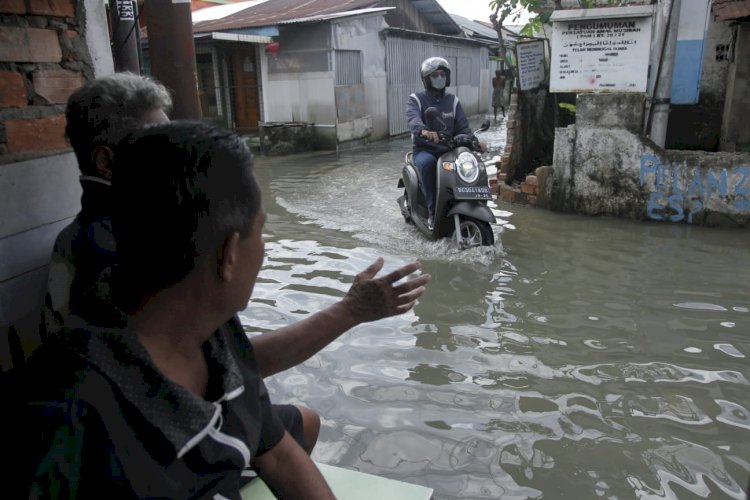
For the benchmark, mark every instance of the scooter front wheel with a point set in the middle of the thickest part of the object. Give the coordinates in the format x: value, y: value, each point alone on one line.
x: 474, y: 233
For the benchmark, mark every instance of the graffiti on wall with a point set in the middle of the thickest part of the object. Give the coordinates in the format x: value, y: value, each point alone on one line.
x: 681, y: 192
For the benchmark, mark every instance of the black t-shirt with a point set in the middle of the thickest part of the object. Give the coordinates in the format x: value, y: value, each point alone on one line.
x: 96, y: 418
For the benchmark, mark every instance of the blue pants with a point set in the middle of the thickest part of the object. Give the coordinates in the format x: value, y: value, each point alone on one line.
x: 426, y: 162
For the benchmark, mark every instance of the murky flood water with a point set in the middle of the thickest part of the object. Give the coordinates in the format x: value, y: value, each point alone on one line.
x: 578, y: 358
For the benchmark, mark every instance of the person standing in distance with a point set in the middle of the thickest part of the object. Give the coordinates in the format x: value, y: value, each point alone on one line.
x: 498, y: 92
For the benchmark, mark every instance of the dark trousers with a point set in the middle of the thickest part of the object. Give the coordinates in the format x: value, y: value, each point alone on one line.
x: 426, y: 162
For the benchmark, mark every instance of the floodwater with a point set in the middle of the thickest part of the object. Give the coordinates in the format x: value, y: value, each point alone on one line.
x: 577, y: 358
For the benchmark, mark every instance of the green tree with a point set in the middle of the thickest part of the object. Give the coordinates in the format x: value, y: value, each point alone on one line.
x: 512, y: 9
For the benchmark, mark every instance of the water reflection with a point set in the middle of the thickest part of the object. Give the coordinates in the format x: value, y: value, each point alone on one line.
x: 579, y: 358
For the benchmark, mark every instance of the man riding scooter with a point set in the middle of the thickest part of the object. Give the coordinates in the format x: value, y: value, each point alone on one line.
x: 436, y: 76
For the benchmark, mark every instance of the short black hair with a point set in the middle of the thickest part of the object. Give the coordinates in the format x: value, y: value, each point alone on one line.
x: 184, y: 187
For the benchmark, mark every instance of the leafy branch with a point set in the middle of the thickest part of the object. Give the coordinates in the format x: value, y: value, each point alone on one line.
x: 512, y: 9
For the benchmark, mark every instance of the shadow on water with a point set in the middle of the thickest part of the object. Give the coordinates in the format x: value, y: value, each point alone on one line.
x: 578, y: 358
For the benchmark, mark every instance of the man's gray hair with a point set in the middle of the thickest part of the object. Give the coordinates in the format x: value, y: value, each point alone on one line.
x: 103, y: 111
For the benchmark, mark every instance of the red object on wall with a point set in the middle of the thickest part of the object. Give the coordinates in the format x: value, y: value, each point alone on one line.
x: 272, y: 48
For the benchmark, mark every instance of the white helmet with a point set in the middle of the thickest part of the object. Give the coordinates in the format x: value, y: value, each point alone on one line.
x: 432, y: 64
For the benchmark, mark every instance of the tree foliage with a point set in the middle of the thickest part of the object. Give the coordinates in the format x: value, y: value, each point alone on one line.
x: 511, y: 10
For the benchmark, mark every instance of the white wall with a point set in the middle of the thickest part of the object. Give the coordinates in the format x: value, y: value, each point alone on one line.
x: 40, y: 197
x: 363, y: 34
x: 306, y: 97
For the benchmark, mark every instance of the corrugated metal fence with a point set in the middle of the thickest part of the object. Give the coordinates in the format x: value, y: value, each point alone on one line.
x: 403, y: 57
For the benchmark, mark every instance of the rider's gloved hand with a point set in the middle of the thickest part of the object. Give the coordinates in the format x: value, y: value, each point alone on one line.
x: 430, y: 135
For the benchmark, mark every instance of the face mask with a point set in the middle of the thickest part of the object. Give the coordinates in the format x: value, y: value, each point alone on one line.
x: 438, y: 82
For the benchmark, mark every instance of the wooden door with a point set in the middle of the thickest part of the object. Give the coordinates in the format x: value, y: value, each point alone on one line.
x: 245, y: 88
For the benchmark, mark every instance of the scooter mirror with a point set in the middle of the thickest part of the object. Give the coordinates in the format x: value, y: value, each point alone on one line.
x: 485, y: 126
x: 432, y: 118
x: 431, y: 113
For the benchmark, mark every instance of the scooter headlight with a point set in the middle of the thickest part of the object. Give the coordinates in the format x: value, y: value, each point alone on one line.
x: 467, y: 167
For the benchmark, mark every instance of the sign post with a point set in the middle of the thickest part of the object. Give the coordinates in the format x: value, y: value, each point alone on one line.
x: 531, y: 64
x: 601, y: 50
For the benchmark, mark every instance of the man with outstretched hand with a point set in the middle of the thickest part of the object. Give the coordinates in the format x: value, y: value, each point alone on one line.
x: 170, y: 402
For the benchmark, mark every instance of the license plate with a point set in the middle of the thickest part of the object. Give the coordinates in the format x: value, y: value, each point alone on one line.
x: 472, y: 193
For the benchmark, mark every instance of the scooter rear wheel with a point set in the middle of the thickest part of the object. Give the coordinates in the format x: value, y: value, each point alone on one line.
x: 475, y: 233
x: 403, y: 204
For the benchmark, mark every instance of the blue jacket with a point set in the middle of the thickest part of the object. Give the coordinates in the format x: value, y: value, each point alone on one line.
x: 452, y: 119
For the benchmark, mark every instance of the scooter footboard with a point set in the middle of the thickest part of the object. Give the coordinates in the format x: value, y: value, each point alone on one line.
x: 473, y: 210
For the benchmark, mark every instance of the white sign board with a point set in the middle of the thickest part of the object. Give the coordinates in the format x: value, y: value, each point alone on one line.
x: 600, y: 55
x: 530, y: 57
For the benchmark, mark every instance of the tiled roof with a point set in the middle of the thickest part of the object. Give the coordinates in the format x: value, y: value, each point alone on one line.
x: 725, y: 10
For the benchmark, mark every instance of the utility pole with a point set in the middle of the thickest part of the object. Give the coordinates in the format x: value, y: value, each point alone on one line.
x: 123, y: 16
x: 660, y: 102
x: 172, y: 51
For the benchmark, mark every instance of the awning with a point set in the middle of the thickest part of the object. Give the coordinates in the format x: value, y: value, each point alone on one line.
x: 234, y: 37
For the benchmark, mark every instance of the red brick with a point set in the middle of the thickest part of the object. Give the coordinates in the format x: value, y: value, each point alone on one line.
x: 528, y: 189
x: 56, y: 85
x: 72, y: 33
x: 29, y: 45
x: 55, y: 8
x: 532, y: 199
x: 12, y: 7
x: 41, y: 134
x: 532, y: 180
x: 12, y: 90
x: 507, y: 193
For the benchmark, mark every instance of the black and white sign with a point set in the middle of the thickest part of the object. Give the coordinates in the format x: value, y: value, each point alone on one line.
x: 531, y: 67
x: 125, y: 10
x: 598, y: 54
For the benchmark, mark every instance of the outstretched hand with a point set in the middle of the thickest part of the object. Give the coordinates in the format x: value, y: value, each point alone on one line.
x: 371, y: 298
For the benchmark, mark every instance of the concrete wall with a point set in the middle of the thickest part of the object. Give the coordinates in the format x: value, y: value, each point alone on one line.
x: 735, y: 132
x: 698, y: 126
x: 364, y: 35
x: 47, y: 49
x: 298, y: 94
x: 602, y: 166
x: 313, y: 97
x: 300, y: 97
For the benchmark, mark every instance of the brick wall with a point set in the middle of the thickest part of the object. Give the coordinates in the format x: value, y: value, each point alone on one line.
x: 43, y: 59
x: 525, y: 192
x: 46, y: 52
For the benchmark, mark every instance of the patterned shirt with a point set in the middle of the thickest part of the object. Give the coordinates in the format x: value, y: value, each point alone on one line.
x: 102, y: 421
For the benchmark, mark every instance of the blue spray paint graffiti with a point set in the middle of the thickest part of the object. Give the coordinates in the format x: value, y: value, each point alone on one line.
x: 681, y: 194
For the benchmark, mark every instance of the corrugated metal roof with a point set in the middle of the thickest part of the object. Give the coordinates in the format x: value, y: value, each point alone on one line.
x: 436, y: 15
x: 215, y: 12
x: 275, y: 12
x: 725, y: 10
x: 326, y: 17
x: 479, y: 30
x: 278, y: 11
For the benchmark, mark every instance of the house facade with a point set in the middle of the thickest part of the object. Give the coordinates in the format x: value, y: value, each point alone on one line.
x: 344, y: 71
